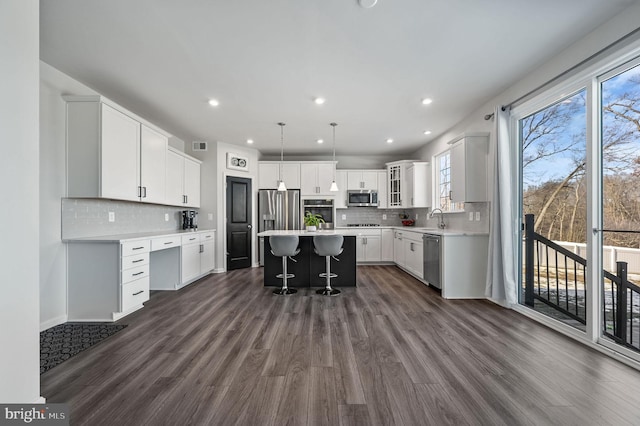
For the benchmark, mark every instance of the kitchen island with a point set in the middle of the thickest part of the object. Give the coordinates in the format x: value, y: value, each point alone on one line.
x: 308, y: 264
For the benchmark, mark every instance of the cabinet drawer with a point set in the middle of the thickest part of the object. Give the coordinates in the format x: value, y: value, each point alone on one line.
x: 135, y: 293
x: 207, y: 236
x: 135, y: 260
x: 135, y: 247
x: 368, y: 232
x: 135, y: 273
x: 165, y: 242
x: 190, y: 239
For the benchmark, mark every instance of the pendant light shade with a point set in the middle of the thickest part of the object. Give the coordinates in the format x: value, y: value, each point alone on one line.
x: 334, y: 185
x: 281, y: 185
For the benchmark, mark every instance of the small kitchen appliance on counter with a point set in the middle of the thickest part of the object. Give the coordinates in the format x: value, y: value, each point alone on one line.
x: 190, y: 220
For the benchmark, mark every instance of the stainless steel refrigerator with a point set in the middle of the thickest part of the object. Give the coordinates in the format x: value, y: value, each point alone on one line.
x: 277, y: 210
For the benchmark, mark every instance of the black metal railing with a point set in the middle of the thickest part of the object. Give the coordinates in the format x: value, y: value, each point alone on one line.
x: 555, y: 275
x: 621, y: 308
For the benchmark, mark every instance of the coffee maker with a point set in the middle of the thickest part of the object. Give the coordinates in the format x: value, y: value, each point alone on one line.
x: 190, y: 219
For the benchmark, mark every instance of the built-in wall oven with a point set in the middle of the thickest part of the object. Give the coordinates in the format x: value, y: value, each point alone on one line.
x: 431, y: 254
x: 322, y: 207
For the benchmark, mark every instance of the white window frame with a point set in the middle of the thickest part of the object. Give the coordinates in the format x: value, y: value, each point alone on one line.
x: 452, y: 207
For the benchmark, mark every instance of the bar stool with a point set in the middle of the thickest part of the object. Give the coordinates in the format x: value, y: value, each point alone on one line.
x: 328, y: 246
x: 284, y: 246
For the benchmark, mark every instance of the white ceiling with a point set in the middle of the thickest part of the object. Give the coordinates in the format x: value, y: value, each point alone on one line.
x: 266, y: 60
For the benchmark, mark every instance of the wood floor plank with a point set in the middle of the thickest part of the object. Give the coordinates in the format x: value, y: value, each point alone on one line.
x: 262, y: 407
x: 323, y: 407
x: 373, y: 385
x: 348, y: 384
x: 391, y: 351
x: 354, y: 415
x: 321, y: 351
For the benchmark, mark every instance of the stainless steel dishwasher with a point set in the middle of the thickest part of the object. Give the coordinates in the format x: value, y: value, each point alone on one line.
x: 431, y: 256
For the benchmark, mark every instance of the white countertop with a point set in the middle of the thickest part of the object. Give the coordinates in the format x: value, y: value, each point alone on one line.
x: 304, y: 233
x: 355, y: 230
x: 435, y: 231
x: 131, y: 237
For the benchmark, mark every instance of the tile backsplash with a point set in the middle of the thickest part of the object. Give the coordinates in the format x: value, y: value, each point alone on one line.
x: 458, y: 221
x: 89, y: 217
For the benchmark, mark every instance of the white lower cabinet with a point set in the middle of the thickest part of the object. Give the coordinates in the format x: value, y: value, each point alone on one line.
x: 407, y: 252
x: 413, y: 250
x: 208, y: 255
x: 135, y: 293
x: 368, y: 248
x: 386, y: 245
x: 190, y: 258
x: 106, y: 280
x: 198, y: 255
x: 111, y: 278
x: 398, y: 248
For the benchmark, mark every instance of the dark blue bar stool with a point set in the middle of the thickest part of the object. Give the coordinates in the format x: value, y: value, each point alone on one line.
x: 328, y: 246
x: 284, y: 246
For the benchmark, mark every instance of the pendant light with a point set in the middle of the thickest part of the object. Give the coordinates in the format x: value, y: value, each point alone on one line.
x: 334, y: 185
x: 281, y: 185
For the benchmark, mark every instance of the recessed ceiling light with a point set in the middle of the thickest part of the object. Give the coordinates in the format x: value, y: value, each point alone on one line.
x: 389, y: 140
x: 320, y: 141
x: 368, y: 4
x: 319, y: 101
x: 427, y: 132
x: 249, y: 141
x: 214, y: 102
x: 426, y: 101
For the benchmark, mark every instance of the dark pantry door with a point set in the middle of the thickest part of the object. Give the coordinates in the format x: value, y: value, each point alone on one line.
x: 238, y: 223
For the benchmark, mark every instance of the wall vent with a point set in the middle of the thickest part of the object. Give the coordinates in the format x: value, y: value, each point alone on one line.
x: 200, y: 145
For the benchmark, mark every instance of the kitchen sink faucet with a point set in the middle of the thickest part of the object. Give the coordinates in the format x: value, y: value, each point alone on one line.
x: 441, y: 225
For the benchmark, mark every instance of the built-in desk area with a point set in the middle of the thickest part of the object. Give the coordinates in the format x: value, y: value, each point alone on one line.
x: 308, y: 264
x: 110, y: 277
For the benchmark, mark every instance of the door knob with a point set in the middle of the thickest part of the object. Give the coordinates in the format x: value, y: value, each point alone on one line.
x: 249, y: 226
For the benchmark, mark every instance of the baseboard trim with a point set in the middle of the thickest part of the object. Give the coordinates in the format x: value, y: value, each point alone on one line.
x: 219, y: 271
x: 53, y: 322
x: 41, y: 400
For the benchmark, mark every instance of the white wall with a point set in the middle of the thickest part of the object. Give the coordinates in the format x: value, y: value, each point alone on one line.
x: 603, y: 36
x: 53, y: 288
x: 213, y: 175
x: 19, y: 50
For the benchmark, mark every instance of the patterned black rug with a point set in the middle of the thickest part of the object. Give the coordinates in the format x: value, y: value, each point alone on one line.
x: 59, y: 343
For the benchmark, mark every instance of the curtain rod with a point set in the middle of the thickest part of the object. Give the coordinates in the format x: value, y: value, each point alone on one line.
x: 570, y: 70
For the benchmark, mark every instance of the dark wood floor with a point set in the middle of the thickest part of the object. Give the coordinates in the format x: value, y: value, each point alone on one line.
x: 226, y: 351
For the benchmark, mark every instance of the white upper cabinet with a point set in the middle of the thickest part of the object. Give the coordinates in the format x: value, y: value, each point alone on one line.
x: 120, y: 155
x: 316, y: 177
x: 469, y: 155
x: 409, y: 184
x: 112, y: 153
x: 418, y: 184
x: 175, y: 178
x: 362, y: 179
x: 382, y: 190
x: 183, y: 180
x: 269, y: 174
x: 153, y: 154
x: 191, y: 182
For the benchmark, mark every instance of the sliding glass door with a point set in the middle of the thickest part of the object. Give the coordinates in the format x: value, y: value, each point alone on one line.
x: 620, y: 204
x: 580, y: 193
x: 554, y: 209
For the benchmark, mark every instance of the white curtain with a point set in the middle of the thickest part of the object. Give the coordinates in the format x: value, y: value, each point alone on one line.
x: 503, y: 232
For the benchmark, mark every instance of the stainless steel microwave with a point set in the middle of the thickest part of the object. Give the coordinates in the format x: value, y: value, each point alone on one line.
x: 362, y: 198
